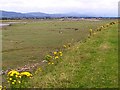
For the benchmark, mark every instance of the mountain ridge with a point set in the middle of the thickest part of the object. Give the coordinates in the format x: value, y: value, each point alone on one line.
x: 11, y: 14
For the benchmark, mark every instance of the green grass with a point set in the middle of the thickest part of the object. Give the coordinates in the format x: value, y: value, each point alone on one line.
x: 90, y: 64
x: 28, y: 43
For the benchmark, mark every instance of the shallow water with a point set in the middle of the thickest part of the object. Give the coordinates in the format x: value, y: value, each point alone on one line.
x: 1, y: 24
x: 8, y: 23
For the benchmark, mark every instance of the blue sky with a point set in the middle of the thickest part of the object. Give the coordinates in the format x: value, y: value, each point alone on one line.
x: 95, y: 7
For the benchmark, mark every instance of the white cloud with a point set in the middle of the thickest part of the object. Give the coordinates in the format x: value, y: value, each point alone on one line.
x: 60, y: 6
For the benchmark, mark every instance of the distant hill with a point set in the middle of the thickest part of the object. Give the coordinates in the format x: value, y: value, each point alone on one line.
x: 7, y: 14
x: 37, y: 14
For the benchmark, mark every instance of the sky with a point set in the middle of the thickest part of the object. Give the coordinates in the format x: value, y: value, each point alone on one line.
x: 89, y: 7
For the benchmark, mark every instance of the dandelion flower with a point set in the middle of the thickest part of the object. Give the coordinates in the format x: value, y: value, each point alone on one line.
x: 19, y: 81
x: 10, y: 79
x: 60, y: 53
x: 56, y: 57
x: 26, y: 74
x: 19, y: 76
x: 54, y: 53
x: 52, y: 63
x: 13, y: 72
x: 16, y: 76
x: 13, y: 82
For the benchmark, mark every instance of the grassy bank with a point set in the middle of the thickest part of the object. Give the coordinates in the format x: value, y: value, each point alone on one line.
x: 90, y: 64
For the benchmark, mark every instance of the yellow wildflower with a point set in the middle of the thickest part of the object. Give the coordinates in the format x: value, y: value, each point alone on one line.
x: 60, y: 53
x: 16, y: 76
x: 19, y: 76
x: 26, y: 74
x: 52, y: 63
x: 13, y: 82
x: 54, y: 53
x: 10, y: 79
x: 56, y: 57
x: 19, y: 81
x: 13, y: 72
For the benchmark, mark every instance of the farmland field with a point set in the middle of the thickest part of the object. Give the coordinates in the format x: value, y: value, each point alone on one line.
x: 27, y: 43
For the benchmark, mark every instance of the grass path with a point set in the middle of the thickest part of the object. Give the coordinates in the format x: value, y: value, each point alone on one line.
x: 86, y: 65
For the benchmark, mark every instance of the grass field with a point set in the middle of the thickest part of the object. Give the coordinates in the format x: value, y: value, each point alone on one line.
x: 90, y: 64
x: 28, y: 43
